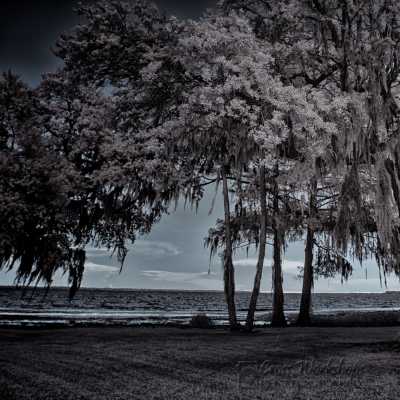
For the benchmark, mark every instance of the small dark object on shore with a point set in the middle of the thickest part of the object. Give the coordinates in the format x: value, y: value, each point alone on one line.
x: 202, y: 321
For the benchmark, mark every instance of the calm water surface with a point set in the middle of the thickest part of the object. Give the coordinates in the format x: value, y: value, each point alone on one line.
x: 130, y: 307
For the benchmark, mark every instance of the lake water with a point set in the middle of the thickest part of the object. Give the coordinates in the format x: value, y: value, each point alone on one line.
x: 133, y: 307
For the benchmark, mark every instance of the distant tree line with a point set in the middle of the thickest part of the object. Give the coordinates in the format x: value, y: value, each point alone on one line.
x: 290, y: 107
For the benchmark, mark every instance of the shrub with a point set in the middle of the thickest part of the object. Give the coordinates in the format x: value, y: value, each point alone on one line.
x: 201, y: 321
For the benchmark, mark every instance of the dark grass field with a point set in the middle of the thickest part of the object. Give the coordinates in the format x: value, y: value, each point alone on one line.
x: 171, y: 363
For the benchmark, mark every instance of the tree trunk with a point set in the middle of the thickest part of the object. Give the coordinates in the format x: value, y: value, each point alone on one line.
x: 261, y: 253
x: 304, y: 318
x: 278, y: 315
x: 229, y: 272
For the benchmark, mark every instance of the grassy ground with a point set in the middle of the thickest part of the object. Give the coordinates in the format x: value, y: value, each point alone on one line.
x: 169, y: 363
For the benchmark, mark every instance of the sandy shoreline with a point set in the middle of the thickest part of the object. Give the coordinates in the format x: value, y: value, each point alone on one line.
x: 171, y: 363
x: 334, y: 318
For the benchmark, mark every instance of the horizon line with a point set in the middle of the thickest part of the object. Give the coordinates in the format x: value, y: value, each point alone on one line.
x: 184, y: 290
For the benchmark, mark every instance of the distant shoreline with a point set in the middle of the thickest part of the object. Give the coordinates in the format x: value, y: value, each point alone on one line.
x: 8, y: 287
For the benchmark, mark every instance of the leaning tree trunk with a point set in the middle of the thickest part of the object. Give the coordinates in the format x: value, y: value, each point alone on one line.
x: 278, y: 315
x: 304, y: 318
x: 229, y: 272
x: 261, y: 253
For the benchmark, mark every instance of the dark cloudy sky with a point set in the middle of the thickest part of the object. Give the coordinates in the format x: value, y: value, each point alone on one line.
x: 28, y: 29
x: 173, y: 255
